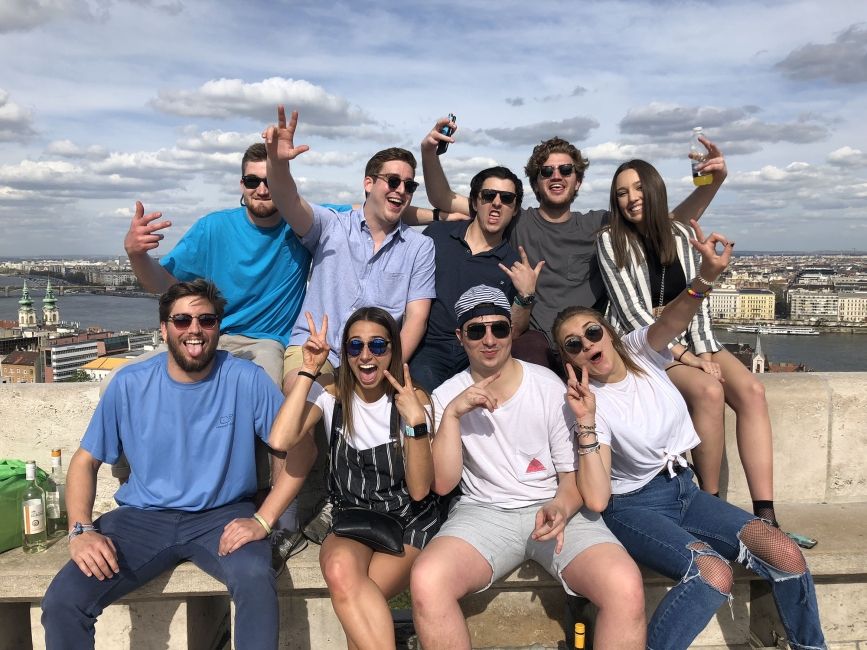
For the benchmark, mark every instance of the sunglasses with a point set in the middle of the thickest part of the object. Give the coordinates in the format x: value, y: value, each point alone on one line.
x: 377, y: 346
x: 488, y: 196
x: 501, y: 329
x: 547, y: 171
x: 394, y: 182
x: 251, y: 182
x: 575, y: 344
x: 206, y: 321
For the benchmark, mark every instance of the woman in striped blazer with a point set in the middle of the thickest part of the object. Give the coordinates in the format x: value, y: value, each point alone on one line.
x: 647, y: 260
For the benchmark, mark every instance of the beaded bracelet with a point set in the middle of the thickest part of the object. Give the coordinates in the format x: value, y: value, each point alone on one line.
x: 262, y: 521
x: 698, y: 295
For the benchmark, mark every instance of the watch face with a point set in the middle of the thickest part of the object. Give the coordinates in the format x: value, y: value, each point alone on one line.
x: 418, y: 431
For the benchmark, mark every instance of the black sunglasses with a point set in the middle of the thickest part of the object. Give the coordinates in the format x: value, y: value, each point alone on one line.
x: 183, y: 321
x: 547, y: 171
x: 575, y: 344
x: 251, y: 182
x: 501, y: 329
x: 377, y: 346
x: 394, y: 182
x: 487, y: 196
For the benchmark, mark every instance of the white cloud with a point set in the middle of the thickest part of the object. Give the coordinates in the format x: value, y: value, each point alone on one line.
x: 15, y: 121
x: 848, y: 157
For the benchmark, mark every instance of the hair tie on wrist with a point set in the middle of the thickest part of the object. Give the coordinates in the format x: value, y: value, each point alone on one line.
x: 309, y: 375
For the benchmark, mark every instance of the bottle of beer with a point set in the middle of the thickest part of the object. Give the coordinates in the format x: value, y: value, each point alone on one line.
x: 55, y: 497
x: 33, y: 511
x: 697, y: 155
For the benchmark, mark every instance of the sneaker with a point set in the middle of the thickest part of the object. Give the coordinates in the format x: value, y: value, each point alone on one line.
x: 285, y: 544
x: 318, y: 527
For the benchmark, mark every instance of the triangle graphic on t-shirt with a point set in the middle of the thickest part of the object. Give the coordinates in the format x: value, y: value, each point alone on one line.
x: 535, y: 466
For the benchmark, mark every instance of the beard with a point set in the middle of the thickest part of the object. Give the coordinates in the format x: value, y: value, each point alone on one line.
x: 262, y: 209
x: 189, y: 364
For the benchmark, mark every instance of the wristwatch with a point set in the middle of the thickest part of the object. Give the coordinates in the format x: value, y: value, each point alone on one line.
x: 525, y: 301
x: 418, y: 431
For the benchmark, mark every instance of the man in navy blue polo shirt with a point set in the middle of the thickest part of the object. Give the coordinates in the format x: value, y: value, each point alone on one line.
x: 469, y: 253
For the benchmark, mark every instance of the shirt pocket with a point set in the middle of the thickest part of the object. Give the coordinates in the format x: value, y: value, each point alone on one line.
x: 578, y: 269
x: 391, y: 293
x: 533, y: 461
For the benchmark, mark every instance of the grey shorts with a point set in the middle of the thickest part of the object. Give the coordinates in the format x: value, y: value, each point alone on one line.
x: 503, y: 537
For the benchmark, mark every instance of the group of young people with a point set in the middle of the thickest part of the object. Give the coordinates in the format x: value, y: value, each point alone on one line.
x: 474, y: 358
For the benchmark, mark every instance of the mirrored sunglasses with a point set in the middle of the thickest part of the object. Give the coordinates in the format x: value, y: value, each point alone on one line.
x: 378, y: 346
x: 394, y: 182
x: 183, y: 321
x: 547, y: 171
x: 251, y: 182
x: 501, y: 329
x: 575, y: 344
x: 487, y: 196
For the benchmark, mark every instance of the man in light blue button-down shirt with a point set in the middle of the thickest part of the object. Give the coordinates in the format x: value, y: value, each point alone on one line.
x: 366, y: 257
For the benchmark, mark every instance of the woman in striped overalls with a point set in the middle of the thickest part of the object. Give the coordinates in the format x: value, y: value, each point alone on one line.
x: 378, y: 426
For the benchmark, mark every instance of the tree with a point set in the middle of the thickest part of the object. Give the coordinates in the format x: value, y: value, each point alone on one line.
x: 78, y: 375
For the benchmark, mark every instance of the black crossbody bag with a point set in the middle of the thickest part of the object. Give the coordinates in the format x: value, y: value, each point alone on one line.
x: 379, y: 530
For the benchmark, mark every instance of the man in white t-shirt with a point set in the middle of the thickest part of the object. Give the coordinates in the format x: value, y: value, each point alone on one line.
x: 503, y: 433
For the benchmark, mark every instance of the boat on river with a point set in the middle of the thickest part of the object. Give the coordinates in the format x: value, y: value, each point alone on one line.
x: 775, y: 329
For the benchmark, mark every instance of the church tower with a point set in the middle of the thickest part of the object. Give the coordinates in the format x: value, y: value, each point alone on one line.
x: 758, y: 357
x: 50, y: 312
x: 26, y: 313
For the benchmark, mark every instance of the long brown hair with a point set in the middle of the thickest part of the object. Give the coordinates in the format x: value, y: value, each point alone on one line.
x: 658, y: 235
x: 619, y: 348
x: 346, y: 379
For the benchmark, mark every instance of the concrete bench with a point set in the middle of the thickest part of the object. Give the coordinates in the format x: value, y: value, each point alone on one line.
x: 820, y: 424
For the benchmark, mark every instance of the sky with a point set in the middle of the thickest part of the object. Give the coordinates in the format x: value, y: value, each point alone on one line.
x: 105, y: 102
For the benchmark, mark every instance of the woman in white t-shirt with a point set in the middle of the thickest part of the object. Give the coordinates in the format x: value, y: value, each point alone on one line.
x: 634, y: 420
x: 381, y: 460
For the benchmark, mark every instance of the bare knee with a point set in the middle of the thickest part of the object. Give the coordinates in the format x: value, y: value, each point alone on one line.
x: 752, y: 394
x: 341, y: 575
x: 712, y: 568
x: 710, y: 394
x: 426, y: 581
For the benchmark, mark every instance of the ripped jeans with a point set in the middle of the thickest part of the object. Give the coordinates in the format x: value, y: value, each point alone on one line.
x: 667, y: 526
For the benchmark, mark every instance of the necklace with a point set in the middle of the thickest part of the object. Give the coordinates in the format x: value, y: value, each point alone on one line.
x: 658, y: 310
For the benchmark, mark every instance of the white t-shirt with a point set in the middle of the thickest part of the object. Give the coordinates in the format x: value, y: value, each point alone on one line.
x: 371, y: 423
x: 643, y: 418
x: 512, y: 456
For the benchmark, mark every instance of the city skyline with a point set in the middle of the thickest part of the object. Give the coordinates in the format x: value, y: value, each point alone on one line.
x: 109, y: 102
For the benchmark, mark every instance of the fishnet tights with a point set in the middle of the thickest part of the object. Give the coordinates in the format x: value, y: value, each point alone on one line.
x: 713, y: 569
x: 773, y: 546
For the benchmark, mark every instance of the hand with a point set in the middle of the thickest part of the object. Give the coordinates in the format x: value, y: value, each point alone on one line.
x: 579, y: 397
x: 522, y: 275
x: 280, y: 139
x: 94, y: 554
x: 714, y: 162
x: 550, y: 524
x: 434, y: 137
x: 239, y: 532
x: 314, y: 352
x: 712, y: 262
x: 142, y: 235
x: 475, y: 396
x: 711, y: 368
x: 405, y: 398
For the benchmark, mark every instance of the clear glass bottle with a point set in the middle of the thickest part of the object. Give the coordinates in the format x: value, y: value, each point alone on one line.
x: 33, y: 511
x: 697, y: 155
x: 55, y: 497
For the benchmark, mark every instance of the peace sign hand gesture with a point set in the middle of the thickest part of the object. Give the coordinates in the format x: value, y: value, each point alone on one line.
x: 522, y: 275
x: 475, y: 396
x: 280, y: 139
x: 712, y: 262
x: 408, y: 404
x: 314, y: 352
x: 579, y: 397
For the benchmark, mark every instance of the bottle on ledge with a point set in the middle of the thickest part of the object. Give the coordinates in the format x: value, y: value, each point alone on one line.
x: 55, y: 497
x: 697, y: 155
x: 33, y: 511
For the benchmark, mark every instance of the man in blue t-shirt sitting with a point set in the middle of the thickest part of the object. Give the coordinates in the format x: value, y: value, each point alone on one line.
x: 187, y: 420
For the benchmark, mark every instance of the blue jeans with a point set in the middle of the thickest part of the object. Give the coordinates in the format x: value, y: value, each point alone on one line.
x: 150, y: 542
x: 658, y: 523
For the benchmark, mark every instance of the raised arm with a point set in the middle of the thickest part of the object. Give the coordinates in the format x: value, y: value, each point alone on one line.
x: 93, y: 552
x: 143, y: 236
x: 439, y: 193
x: 280, y: 145
x: 693, y: 206
x: 680, y: 311
x: 524, y: 278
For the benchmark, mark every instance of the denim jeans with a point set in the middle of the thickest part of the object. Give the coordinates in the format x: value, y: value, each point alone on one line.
x: 150, y: 542
x: 658, y: 523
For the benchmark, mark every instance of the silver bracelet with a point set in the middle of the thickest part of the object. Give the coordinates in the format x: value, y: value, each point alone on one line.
x: 703, y: 281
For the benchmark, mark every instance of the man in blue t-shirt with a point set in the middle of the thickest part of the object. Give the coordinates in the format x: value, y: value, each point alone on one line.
x: 187, y: 421
x: 250, y: 252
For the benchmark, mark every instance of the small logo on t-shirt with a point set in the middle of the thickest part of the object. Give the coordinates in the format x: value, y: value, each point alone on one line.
x: 226, y: 420
x: 535, y: 466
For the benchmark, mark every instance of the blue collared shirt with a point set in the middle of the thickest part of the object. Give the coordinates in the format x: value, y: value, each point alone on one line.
x: 346, y: 274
